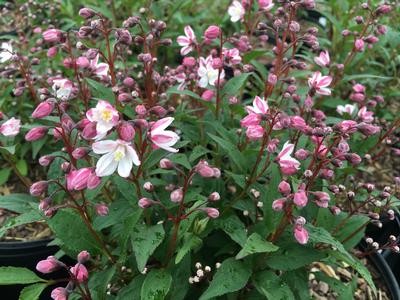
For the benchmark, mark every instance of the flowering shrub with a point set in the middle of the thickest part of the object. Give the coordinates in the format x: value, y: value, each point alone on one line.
x: 241, y: 163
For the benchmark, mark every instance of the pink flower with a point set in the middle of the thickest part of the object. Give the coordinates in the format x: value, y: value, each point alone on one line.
x: 365, y: 116
x: 80, y: 272
x: 99, y: 69
x: 236, y: 11
x: 43, y: 110
x: 250, y: 120
x: 62, y: 87
x: 50, y: 264
x: 278, y: 204
x: 83, y: 256
x: 232, y: 56
x: 176, y: 196
x: 117, y: 155
x: 207, y: 95
x: 181, y: 79
x: 288, y: 164
x: 11, y: 127
x: 359, y: 88
x: 260, y: 106
x: 322, y: 199
x: 77, y: 179
x: 320, y: 83
x: 301, y: 234
x: 359, y: 45
x: 101, y: 209
x: 187, y: 41
x: 36, y: 133
x: 300, y: 197
x: 348, y: 108
x: 204, y: 170
x: 105, y: 116
x: 59, y: 294
x: 284, y: 188
x: 162, y: 138
x: 208, y: 75
x: 52, y: 35
x: 146, y: 203
x: 211, y: 212
x: 348, y: 126
x: 323, y: 59
x: 255, y: 132
x: 298, y: 123
x: 212, y: 32
x: 266, y: 4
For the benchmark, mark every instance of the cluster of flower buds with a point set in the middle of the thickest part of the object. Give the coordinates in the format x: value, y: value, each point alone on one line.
x: 201, y: 273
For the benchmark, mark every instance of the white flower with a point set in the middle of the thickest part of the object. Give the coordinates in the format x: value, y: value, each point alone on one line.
x: 105, y: 116
x: 117, y: 155
x: 100, y: 69
x: 260, y: 106
x: 208, y: 75
x: 236, y: 11
x: 323, y: 59
x: 187, y: 41
x: 162, y: 138
x: 320, y: 83
x: 10, y: 127
x: 63, y: 88
x: 348, y: 108
x: 5, y: 52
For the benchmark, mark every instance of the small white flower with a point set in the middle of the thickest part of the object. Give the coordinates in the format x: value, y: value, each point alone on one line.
x: 348, y: 108
x: 162, y: 138
x: 208, y: 75
x: 5, y: 52
x: 236, y: 11
x: 100, y: 69
x: 187, y: 41
x: 11, y: 127
x: 117, y: 155
x: 63, y: 88
x: 105, y: 116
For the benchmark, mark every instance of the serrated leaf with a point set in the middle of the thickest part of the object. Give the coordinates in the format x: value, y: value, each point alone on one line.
x: 180, y: 159
x: 233, y: 152
x: 189, y: 242
x: 232, y: 276
x: 18, y: 203
x: 233, y: 86
x: 256, y: 244
x: 156, y: 285
x: 233, y: 227
x: 145, y: 239
x: 100, y: 91
x: 271, y: 286
x: 132, y: 290
x: 32, y: 292
x: 198, y: 152
x: 25, y: 218
x: 14, y: 275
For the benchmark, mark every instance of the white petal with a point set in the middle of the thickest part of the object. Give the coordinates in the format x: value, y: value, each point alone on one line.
x: 133, y: 156
x: 102, y: 147
x: 124, y: 167
x: 106, y: 165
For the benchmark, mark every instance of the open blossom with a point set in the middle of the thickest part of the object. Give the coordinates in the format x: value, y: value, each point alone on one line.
x: 162, y: 138
x: 187, y: 41
x: 100, y: 69
x: 62, y: 87
x: 323, y: 59
x: 288, y: 164
x: 236, y: 11
x: 105, y: 116
x: 348, y: 108
x: 11, y: 127
x: 365, y: 116
x: 208, y: 75
x: 5, y: 52
x: 266, y: 4
x: 232, y: 56
x: 260, y: 106
x: 320, y: 83
x: 181, y: 79
x: 117, y: 155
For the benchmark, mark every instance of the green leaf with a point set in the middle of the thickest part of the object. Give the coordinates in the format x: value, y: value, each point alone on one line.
x: 9, y: 149
x: 98, y: 282
x: 25, y: 218
x: 233, y: 152
x: 4, y: 175
x: 271, y: 286
x: 234, y: 228
x: 256, y: 244
x: 132, y: 290
x: 18, y: 203
x: 156, y: 285
x: 73, y: 233
x: 126, y: 189
x: 32, y: 292
x: 198, y: 152
x: 181, y: 272
x: 180, y: 159
x: 100, y: 91
x: 190, y: 242
x: 232, y: 276
x: 22, y: 167
x: 233, y: 86
x: 145, y: 239
x: 14, y: 275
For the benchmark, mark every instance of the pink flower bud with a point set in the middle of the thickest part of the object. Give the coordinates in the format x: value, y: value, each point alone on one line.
x: 129, y: 82
x: 50, y: 264
x: 86, y: 13
x: 93, y: 181
x: 301, y: 234
x: 214, y: 196
x: 124, y: 97
x: 46, y: 160
x: 322, y: 199
x: 359, y: 45
x: 126, y: 132
x: 368, y: 129
x: 77, y: 179
x: 59, y: 294
x: 38, y: 188
x: 300, y: 198
x: 211, y: 212
x: 52, y: 52
x: 141, y: 110
x: 217, y: 172
x: 36, y: 133
x: 272, y: 79
x: 101, y: 209
x: 82, y: 62
x: 45, y: 204
x: 284, y: 188
x: 52, y: 35
x: 189, y: 62
x: 177, y: 195
x: 83, y: 256
x: 80, y: 272
x: 165, y: 163
x: 354, y: 159
x: 89, y: 132
x: 43, y: 110
x: 57, y: 133
x: 255, y: 132
x: 204, y: 170
x: 278, y: 204
x: 148, y: 186
x: 301, y: 154
x: 79, y: 153
x: 146, y: 203
x: 207, y: 95
x: 212, y: 32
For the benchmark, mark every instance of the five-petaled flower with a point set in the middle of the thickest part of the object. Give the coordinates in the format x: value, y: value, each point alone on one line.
x: 11, y: 127
x: 162, y: 138
x: 348, y: 108
x: 62, y: 88
x: 320, y: 83
x: 99, y: 69
x: 208, y: 75
x: 323, y: 59
x: 187, y: 41
x: 105, y: 116
x: 117, y: 155
x: 236, y: 11
x: 288, y: 164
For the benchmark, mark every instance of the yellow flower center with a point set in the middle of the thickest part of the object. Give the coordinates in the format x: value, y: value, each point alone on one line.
x: 118, y: 155
x: 106, y: 115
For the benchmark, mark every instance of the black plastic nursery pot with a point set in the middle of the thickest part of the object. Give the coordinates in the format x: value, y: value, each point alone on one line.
x: 27, y: 255
x: 386, y: 263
